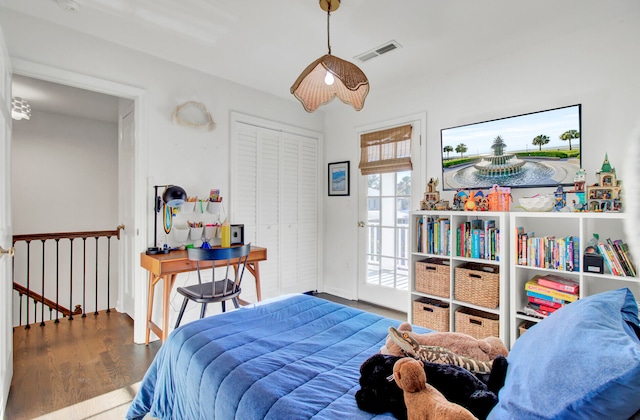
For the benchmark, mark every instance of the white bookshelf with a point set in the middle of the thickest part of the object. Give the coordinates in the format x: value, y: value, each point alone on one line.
x: 502, y: 264
x: 559, y: 224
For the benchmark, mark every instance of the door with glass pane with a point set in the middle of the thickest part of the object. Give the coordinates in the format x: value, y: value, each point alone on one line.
x: 385, y: 201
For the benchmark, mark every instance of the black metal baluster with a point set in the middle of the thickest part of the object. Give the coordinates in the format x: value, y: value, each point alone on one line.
x: 108, y: 271
x: 84, y: 277
x: 57, y: 321
x: 20, y: 297
x: 71, y: 282
x: 96, y: 308
x: 42, y: 324
x: 27, y: 326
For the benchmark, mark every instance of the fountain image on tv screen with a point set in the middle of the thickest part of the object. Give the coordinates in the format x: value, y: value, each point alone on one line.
x: 540, y: 149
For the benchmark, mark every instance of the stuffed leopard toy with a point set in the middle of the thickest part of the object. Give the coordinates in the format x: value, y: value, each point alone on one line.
x: 436, y: 354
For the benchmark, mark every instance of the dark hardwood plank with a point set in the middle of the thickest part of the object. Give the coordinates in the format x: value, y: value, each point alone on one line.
x: 59, y: 365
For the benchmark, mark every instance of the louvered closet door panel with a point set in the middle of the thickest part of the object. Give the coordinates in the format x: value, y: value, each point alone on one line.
x: 268, y: 234
x: 275, y: 176
x: 289, y: 222
x: 308, y: 186
x: 246, y: 178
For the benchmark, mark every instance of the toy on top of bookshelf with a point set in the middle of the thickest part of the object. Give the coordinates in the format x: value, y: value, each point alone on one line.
x: 432, y: 199
x: 579, y: 181
x: 471, y: 201
x: 560, y: 199
x: 499, y: 198
x: 604, y: 195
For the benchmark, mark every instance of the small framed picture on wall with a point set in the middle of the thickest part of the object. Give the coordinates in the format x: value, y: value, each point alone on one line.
x: 339, y: 178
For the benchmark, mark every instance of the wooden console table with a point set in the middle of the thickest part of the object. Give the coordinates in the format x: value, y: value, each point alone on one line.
x: 166, y: 267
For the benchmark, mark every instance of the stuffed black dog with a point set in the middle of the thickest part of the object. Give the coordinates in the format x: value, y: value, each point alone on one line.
x: 379, y: 393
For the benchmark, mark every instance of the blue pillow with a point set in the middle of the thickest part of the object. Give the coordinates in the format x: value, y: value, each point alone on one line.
x: 582, y: 362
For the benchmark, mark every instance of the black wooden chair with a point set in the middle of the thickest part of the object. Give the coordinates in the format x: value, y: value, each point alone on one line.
x: 216, y: 290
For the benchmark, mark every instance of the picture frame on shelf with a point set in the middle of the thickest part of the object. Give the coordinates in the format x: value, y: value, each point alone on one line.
x: 339, y: 178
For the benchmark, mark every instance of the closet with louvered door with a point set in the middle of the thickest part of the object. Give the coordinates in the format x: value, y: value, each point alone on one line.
x: 275, y: 192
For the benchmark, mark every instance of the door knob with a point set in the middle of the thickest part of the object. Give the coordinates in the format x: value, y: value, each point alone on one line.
x: 361, y: 224
x: 9, y: 251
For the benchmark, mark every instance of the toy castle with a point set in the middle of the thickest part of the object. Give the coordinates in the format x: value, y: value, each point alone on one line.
x: 605, y: 195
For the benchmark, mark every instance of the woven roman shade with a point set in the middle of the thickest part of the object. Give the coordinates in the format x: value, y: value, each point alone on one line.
x: 386, y: 151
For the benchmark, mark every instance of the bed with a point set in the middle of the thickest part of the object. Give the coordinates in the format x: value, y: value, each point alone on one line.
x: 295, y: 357
x: 298, y: 357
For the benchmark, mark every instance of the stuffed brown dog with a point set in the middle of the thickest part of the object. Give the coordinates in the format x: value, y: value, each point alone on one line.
x: 423, y: 401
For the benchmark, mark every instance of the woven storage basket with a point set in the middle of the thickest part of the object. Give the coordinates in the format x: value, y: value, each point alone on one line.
x: 432, y: 277
x: 477, y: 323
x: 478, y: 284
x: 431, y: 313
x: 524, y: 326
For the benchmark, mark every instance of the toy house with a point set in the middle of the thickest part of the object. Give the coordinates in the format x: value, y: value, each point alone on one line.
x: 605, y: 194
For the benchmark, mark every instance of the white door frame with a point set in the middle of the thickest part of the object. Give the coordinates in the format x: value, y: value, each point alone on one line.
x: 392, y: 298
x: 139, y: 190
x: 6, y: 239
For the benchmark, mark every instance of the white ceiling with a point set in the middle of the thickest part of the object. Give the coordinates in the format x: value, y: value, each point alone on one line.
x: 266, y: 44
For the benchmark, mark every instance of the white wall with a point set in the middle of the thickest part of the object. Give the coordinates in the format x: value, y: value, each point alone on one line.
x: 64, y: 174
x: 193, y: 159
x: 596, y: 67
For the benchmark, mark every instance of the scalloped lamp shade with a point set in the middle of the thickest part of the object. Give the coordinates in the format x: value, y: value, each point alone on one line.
x: 350, y: 84
x: 20, y: 109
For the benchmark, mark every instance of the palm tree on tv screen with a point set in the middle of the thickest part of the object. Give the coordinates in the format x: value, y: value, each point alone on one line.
x: 570, y: 135
x: 461, y: 148
x: 540, y: 141
x: 447, y: 149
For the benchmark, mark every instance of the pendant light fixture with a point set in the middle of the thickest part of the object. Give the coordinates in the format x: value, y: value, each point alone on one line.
x: 330, y: 76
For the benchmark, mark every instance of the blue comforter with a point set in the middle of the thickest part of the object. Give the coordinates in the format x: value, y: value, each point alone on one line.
x: 293, y: 358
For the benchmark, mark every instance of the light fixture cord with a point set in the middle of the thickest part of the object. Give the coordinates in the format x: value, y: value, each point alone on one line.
x: 328, y: 32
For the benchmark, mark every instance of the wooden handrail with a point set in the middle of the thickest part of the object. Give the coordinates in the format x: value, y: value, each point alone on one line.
x: 66, y: 235
x: 51, y: 304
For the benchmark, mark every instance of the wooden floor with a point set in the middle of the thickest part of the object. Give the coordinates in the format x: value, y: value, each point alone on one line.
x: 60, y: 365
x: 89, y: 367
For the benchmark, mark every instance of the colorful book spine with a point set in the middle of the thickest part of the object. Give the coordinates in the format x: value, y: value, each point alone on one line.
x: 544, y: 302
x: 609, y: 259
x: 559, y: 283
x: 624, y: 250
x: 545, y: 297
x: 533, y: 286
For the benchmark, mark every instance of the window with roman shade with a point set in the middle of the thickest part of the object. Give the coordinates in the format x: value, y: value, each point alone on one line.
x: 386, y: 151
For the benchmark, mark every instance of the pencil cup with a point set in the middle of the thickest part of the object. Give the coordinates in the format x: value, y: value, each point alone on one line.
x: 180, y: 234
x: 196, y: 233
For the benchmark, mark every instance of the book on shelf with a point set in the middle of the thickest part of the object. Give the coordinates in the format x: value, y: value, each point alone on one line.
x: 622, y: 256
x: 545, y: 297
x: 550, y: 252
x: 541, y: 309
x: 610, y: 260
x: 527, y: 310
x: 557, y: 282
x: 544, y: 302
x: 533, y: 286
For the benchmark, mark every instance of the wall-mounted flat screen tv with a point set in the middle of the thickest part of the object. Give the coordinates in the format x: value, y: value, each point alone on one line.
x: 539, y: 149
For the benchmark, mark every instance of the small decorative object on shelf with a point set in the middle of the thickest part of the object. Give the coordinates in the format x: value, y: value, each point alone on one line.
x: 474, y: 201
x: 431, y: 196
x: 499, y: 198
x: 537, y: 203
x: 560, y: 199
x: 579, y: 181
x: 605, y: 194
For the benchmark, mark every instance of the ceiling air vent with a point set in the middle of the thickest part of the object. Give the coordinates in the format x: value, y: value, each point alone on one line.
x: 378, y: 51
